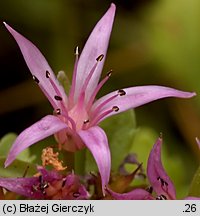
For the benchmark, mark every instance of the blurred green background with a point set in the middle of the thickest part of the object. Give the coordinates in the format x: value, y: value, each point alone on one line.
x: 153, y: 42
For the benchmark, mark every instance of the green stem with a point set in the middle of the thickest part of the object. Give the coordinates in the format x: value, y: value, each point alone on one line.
x: 69, y: 160
x: 80, y: 162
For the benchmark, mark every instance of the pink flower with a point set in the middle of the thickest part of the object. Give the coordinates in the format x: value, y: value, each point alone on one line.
x: 76, y: 116
x: 160, y: 182
x: 47, y: 185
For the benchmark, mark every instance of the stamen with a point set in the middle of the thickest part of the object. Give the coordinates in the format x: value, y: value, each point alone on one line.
x: 149, y: 189
x: 43, y: 184
x: 72, y: 123
x: 85, y: 124
x: 36, y: 79
x: 161, y: 197
x: 100, y: 58
x: 101, y: 105
x: 115, y: 108
x: 58, y: 98
x: 121, y: 92
x: 102, y: 115
x: 73, y: 86
x: 109, y: 73
x: 76, y: 51
x: 76, y: 194
x: 88, y: 78
x: 58, y: 111
x: 99, y: 86
x: 47, y: 74
x: 86, y: 121
x: 162, y: 181
x: 64, y: 182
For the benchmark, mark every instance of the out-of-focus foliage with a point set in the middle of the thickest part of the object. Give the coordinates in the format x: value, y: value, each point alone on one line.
x: 6, y: 143
x: 195, y: 186
x: 18, y: 168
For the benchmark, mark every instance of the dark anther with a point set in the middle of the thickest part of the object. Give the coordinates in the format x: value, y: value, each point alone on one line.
x: 36, y: 79
x: 43, y: 192
x: 162, y: 181
x: 35, y: 187
x: 64, y: 182
x: 109, y: 73
x: 58, y: 111
x: 76, y: 50
x: 149, y: 189
x: 47, y: 74
x: 99, y: 58
x: 161, y: 197
x: 58, y: 98
x: 86, y: 121
x: 42, y: 185
x: 121, y: 92
x: 76, y: 194
x: 115, y: 108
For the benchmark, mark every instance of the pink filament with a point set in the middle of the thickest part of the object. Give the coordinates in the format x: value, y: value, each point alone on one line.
x: 73, y: 86
x: 101, y: 116
x: 98, y: 108
x: 99, y: 86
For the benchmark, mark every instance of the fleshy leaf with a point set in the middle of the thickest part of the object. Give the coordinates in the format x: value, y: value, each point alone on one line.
x: 195, y: 185
x: 120, y: 130
x: 6, y: 143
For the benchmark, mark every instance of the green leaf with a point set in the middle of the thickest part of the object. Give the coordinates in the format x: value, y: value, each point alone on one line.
x: 195, y: 185
x: 17, y: 169
x: 6, y: 143
x: 120, y: 130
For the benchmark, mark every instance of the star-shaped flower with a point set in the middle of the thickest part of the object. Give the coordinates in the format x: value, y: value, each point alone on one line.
x: 76, y: 116
x: 47, y: 185
x: 160, y: 182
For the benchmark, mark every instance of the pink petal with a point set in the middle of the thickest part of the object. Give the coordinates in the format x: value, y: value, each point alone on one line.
x: 96, y: 45
x: 24, y: 186
x: 96, y: 141
x: 137, y: 96
x: 71, y: 182
x: 157, y: 176
x: 21, y: 186
x: 136, y: 194
x: 38, y: 66
x: 38, y: 131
